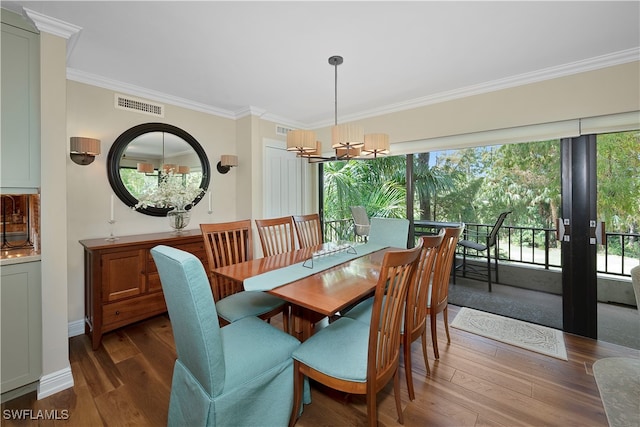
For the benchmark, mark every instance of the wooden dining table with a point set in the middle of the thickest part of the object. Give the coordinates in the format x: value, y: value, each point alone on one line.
x: 321, y: 294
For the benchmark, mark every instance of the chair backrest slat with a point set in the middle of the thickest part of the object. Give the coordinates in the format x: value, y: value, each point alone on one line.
x: 308, y: 230
x: 276, y: 235
x: 226, y: 244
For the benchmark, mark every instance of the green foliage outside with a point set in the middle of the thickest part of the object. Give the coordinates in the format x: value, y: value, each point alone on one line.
x: 474, y: 185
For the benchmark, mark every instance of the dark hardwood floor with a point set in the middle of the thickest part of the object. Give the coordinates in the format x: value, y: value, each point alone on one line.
x: 476, y: 382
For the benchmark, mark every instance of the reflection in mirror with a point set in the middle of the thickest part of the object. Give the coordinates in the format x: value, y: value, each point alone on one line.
x: 141, y: 155
x: 154, y: 152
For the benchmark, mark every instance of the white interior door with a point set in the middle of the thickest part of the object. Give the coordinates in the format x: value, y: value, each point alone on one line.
x: 284, y: 181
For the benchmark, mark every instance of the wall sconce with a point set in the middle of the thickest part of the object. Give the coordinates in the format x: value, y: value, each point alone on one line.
x: 83, y: 151
x: 226, y: 162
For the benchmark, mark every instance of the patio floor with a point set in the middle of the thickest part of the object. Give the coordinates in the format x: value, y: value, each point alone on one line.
x: 617, y: 324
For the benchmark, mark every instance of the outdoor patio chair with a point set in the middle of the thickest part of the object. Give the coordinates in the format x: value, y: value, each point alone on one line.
x: 482, y: 243
x: 361, y: 221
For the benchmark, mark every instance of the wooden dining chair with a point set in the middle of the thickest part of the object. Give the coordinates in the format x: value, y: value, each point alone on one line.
x: 308, y: 230
x: 439, y: 297
x: 359, y: 358
x: 276, y: 235
x: 416, y: 311
x: 230, y: 243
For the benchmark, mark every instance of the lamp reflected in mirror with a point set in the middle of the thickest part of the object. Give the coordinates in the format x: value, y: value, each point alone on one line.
x: 146, y: 168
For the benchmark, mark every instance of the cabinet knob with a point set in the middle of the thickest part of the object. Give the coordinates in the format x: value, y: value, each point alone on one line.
x: 117, y: 312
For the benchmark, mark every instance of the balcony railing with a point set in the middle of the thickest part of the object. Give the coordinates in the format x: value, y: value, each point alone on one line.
x: 527, y: 245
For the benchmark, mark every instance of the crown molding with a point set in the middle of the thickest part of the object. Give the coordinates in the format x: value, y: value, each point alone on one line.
x: 118, y: 86
x: 48, y: 24
x: 603, y: 61
x: 51, y: 25
x: 591, y: 64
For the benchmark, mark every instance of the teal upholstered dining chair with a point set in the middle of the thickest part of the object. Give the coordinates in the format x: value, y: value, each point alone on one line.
x: 354, y: 357
x: 416, y: 309
x: 393, y: 232
x: 241, y: 374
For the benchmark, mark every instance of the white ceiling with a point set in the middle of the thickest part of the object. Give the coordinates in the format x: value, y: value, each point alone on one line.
x: 271, y: 57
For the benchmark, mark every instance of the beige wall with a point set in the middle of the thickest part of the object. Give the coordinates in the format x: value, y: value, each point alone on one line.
x: 91, y: 112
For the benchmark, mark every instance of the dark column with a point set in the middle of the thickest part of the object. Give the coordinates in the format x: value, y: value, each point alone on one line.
x: 579, y: 278
x: 409, y: 179
x: 321, y: 196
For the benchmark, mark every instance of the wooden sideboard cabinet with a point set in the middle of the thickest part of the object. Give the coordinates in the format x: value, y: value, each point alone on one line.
x: 122, y: 285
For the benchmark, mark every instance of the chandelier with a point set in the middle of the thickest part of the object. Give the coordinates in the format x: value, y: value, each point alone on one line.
x: 347, y: 140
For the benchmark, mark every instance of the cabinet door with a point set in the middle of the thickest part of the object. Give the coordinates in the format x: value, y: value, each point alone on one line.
x: 20, y: 149
x: 21, y: 318
x: 123, y: 274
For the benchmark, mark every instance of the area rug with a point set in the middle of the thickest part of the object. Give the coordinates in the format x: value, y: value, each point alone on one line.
x: 618, y: 380
x: 511, y: 331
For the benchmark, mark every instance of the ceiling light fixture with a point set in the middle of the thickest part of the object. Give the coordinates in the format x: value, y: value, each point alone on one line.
x: 348, y: 140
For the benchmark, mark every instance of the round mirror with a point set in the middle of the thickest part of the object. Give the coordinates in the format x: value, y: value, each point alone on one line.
x: 139, y: 157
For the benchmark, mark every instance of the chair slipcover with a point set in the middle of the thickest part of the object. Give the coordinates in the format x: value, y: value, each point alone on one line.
x: 393, y: 232
x: 239, y: 375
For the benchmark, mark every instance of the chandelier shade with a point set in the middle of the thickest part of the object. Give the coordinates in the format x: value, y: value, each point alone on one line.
x: 316, y: 152
x: 301, y: 140
x: 347, y: 134
x: 376, y: 143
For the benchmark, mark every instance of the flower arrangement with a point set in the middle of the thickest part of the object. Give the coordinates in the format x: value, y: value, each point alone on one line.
x: 171, y: 192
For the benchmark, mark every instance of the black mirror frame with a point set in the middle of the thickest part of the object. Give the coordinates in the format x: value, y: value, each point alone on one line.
x: 119, y: 147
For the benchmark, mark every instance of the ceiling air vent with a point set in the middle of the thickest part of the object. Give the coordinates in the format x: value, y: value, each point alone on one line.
x: 141, y: 106
x: 281, y: 130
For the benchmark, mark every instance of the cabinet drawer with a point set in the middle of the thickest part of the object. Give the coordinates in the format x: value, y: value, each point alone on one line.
x: 122, y: 313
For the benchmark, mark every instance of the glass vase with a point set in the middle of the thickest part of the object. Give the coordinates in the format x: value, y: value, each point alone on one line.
x: 178, y: 219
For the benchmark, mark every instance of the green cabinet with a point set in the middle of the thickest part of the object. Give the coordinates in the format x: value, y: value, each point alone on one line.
x: 20, y: 147
x: 21, y: 325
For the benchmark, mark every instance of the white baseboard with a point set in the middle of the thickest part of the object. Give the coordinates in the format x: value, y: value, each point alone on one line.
x: 76, y: 328
x: 57, y: 381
